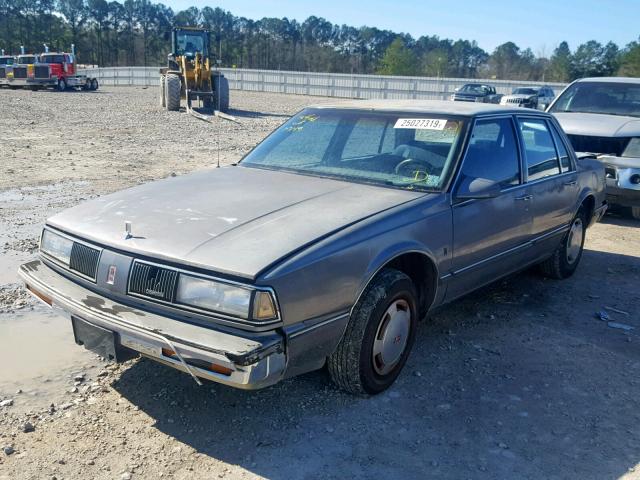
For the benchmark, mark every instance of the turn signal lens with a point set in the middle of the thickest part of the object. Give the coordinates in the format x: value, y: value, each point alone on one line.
x: 264, y: 307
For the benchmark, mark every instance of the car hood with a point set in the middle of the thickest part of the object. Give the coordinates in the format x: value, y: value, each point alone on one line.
x: 598, y: 125
x: 232, y: 220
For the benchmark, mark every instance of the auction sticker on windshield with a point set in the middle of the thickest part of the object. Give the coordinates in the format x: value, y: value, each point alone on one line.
x: 421, y: 123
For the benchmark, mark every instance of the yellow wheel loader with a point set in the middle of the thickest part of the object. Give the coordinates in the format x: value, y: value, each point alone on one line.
x: 188, y: 73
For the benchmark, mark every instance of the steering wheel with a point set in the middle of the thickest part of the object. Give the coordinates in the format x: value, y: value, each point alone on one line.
x: 410, y: 167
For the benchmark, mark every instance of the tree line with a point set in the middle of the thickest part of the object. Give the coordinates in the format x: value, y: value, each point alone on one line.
x: 137, y: 32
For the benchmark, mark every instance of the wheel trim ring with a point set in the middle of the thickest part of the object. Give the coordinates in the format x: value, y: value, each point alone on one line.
x: 574, y: 241
x: 392, y: 336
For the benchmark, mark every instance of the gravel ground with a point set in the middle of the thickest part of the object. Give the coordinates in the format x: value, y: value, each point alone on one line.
x: 519, y: 380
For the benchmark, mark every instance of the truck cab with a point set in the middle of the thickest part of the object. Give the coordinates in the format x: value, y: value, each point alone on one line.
x: 23, y: 69
x: 60, y: 70
x: 6, y: 69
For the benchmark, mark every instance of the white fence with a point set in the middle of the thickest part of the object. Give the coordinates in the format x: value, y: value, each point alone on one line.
x: 319, y: 84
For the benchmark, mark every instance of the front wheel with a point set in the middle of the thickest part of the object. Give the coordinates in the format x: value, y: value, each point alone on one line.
x: 172, y: 87
x: 379, y: 335
x: 62, y: 85
x: 635, y: 212
x: 565, y: 259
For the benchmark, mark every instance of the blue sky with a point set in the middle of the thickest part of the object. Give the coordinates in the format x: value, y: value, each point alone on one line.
x: 538, y: 24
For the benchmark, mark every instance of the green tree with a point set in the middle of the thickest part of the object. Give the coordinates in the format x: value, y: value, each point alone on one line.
x: 560, y: 64
x: 630, y: 60
x: 398, y: 60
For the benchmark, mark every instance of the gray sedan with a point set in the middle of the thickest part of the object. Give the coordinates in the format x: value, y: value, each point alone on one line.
x: 324, y: 245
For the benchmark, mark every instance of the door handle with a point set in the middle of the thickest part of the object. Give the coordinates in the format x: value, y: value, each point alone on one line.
x: 524, y: 198
x: 570, y: 184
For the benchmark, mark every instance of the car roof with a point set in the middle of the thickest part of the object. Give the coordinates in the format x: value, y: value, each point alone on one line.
x: 610, y: 79
x: 467, y: 109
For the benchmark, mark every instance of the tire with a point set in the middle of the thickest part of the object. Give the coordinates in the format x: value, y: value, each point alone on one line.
x: 94, y: 84
x: 221, y: 93
x: 62, y: 85
x: 163, y: 101
x: 635, y: 212
x: 384, y: 317
x: 172, y: 88
x: 564, y: 261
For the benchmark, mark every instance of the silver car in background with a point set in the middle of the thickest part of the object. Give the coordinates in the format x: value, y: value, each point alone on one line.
x: 324, y: 245
x: 529, y: 97
x: 602, y: 116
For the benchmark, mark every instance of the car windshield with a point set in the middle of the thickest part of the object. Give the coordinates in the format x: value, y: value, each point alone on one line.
x: 6, y: 61
x: 28, y: 60
x: 52, y: 59
x: 473, y: 89
x: 610, y: 98
x: 402, y: 150
x: 525, y: 91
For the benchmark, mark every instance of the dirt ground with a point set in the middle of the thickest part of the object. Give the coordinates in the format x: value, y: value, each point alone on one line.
x: 519, y: 380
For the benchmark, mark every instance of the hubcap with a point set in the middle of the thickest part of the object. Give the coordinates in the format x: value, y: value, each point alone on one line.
x: 391, y: 337
x: 574, y: 241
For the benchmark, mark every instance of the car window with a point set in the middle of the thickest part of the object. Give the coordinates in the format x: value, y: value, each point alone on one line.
x: 565, y: 163
x: 492, y: 153
x: 540, y: 151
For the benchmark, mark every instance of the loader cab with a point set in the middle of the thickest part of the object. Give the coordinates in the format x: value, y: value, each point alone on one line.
x: 187, y: 42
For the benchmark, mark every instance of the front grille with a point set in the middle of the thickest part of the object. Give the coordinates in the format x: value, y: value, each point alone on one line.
x: 152, y: 281
x: 84, y: 260
x: 41, y: 71
x: 19, y: 72
x: 603, y: 145
x: 464, y: 98
x: 516, y: 100
x: 3, y: 73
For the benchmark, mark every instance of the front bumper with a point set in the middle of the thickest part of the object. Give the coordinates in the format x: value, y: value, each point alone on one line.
x: 620, y: 189
x: 249, y: 361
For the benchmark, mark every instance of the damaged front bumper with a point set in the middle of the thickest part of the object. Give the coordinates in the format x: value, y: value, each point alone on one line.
x: 623, y: 180
x: 243, y: 360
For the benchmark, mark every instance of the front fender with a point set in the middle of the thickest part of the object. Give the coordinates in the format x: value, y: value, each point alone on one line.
x: 386, y: 256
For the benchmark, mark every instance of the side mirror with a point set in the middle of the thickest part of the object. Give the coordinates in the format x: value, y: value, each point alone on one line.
x: 472, y: 187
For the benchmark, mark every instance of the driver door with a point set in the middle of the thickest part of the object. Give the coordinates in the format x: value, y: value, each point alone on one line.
x: 490, y: 235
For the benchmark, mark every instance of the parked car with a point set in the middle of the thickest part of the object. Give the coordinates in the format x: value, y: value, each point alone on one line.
x: 476, y: 92
x: 530, y: 97
x: 602, y: 116
x: 324, y: 245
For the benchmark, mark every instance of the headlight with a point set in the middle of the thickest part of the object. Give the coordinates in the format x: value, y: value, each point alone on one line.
x: 224, y: 298
x: 57, y: 246
x: 633, y: 148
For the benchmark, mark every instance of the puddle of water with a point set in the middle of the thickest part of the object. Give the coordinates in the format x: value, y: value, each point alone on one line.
x: 38, y: 354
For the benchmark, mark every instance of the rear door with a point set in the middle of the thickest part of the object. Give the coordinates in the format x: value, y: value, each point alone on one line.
x: 552, y: 179
x: 491, y: 235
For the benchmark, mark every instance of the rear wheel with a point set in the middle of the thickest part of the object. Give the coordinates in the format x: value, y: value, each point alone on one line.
x: 379, y: 336
x: 172, y: 87
x: 564, y: 261
x: 221, y: 93
x: 94, y: 84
